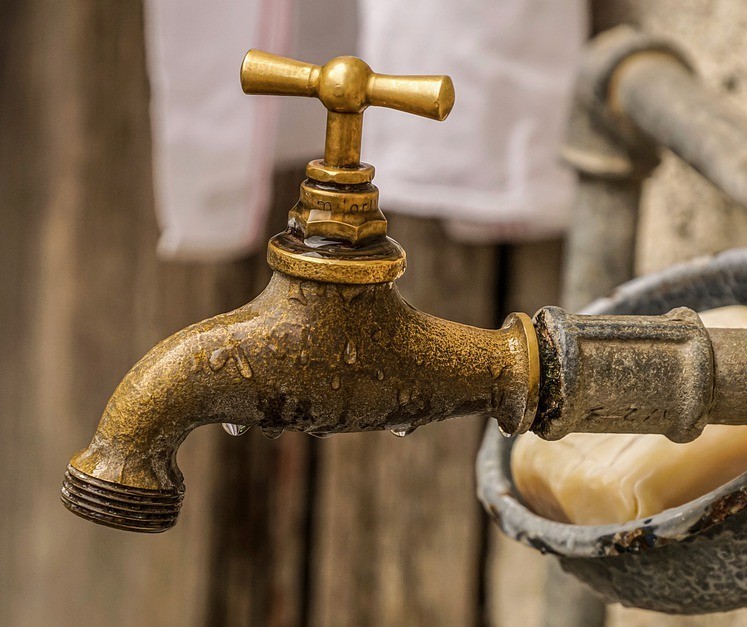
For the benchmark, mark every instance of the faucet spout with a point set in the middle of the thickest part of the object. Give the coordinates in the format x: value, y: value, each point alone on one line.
x: 303, y: 356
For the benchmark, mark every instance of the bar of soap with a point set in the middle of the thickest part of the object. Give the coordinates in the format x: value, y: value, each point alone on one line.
x: 597, y: 479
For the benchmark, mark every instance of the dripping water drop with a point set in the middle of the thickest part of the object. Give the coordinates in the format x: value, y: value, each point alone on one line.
x: 403, y: 432
x: 233, y: 429
x: 272, y: 433
x: 321, y: 434
x: 503, y: 432
x: 351, y: 353
x: 218, y: 358
x: 335, y: 382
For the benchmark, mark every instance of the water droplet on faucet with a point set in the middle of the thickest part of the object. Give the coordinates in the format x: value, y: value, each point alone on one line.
x: 351, y: 353
x: 403, y: 432
x: 321, y: 434
x: 303, y: 358
x: 380, y: 375
x: 505, y: 434
x: 272, y: 433
x: 335, y: 382
x: 232, y: 429
x: 218, y: 358
x: 295, y: 292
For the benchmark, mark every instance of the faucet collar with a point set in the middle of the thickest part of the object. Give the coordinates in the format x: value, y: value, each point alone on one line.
x: 380, y: 260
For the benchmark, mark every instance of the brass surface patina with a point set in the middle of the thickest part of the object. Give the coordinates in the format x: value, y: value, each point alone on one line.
x: 329, y: 346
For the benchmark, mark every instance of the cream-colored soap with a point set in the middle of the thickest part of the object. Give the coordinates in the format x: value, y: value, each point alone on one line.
x: 595, y: 479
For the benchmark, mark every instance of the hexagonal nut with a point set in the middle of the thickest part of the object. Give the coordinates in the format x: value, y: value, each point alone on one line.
x: 351, y: 227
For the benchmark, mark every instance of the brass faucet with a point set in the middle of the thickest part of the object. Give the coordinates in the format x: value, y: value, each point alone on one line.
x: 329, y: 346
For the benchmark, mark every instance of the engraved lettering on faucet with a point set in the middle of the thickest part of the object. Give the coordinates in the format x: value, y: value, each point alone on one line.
x: 594, y: 414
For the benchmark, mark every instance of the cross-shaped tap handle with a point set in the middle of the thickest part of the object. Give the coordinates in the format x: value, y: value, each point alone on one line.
x: 346, y: 86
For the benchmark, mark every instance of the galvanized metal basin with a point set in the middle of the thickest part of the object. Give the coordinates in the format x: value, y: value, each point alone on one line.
x: 690, y: 559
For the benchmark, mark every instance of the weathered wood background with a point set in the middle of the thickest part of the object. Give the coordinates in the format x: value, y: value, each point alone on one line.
x: 354, y: 530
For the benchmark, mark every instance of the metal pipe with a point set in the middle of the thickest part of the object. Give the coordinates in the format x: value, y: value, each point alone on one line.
x: 701, y: 283
x: 640, y: 89
x: 638, y: 374
x: 665, y: 100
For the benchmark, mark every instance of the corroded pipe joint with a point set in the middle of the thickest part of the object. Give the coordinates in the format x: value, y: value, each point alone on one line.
x: 624, y: 374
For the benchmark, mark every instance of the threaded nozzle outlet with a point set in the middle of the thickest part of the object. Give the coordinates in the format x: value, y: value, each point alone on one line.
x: 120, y: 506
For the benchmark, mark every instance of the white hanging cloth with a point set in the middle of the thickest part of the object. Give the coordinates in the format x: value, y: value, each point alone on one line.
x: 213, y: 148
x: 492, y: 169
